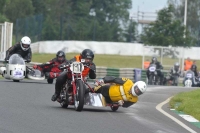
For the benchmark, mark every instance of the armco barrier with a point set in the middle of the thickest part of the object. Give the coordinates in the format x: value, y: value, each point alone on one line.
x: 121, y: 72
x: 134, y: 74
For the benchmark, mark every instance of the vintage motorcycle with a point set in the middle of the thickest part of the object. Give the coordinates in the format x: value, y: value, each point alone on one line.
x: 188, y: 81
x: 16, y: 69
x: 174, y: 81
x: 74, y: 91
x: 153, y: 77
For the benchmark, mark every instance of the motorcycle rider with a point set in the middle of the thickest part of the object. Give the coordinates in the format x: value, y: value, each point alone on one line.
x: 51, y: 68
x: 22, y: 48
x: 121, y: 90
x: 89, y: 69
x: 158, y: 69
x: 174, y: 71
x: 192, y: 73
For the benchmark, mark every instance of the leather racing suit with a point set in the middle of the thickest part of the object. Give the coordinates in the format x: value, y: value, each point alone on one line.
x: 113, y: 92
x: 16, y: 49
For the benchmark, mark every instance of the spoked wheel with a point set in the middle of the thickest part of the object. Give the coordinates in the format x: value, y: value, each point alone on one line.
x: 151, y: 80
x: 79, y: 96
x: 114, y: 108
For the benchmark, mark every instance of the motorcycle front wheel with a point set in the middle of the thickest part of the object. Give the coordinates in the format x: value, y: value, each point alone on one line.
x: 79, y: 96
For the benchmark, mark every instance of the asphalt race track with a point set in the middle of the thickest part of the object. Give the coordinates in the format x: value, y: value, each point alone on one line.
x: 25, y: 107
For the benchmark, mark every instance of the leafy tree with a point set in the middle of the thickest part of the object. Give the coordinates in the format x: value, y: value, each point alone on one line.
x: 18, y: 9
x: 193, y: 15
x: 2, y: 4
x: 130, y: 32
x: 39, y: 6
x: 3, y: 18
x: 50, y: 31
x: 166, y: 30
x: 112, y: 16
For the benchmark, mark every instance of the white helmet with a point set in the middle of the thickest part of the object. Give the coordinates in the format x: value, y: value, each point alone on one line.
x: 25, y: 43
x: 138, y: 88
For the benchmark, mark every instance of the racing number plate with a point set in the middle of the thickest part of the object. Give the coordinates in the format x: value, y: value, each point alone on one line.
x: 152, y: 69
x: 189, y: 75
x: 18, y: 73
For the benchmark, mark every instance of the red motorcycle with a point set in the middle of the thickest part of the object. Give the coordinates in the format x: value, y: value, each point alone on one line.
x: 74, y: 90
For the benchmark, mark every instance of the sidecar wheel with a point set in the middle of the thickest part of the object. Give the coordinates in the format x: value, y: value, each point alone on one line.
x: 114, y: 108
x: 50, y: 81
x: 16, y: 80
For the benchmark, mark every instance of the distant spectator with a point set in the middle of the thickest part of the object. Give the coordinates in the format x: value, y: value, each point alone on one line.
x: 146, y: 63
x: 187, y: 64
x: 194, y: 62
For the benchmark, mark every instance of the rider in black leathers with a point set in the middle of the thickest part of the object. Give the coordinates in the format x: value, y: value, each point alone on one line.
x: 158, y: 69
x: 194, y: 76
x: 174, y: 71
x: 22, y: 48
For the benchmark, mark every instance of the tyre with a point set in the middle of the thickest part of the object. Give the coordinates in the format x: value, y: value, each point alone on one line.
x: 16, y: 80
x: 151, y: 77
x: 50, y: 81
x: 79, y: 96
x: 114, y: 108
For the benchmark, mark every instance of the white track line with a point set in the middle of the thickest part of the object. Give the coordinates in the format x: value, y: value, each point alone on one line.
x: 159, y: 108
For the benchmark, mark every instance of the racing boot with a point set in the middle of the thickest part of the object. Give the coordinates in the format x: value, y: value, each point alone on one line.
x: 54, y: 97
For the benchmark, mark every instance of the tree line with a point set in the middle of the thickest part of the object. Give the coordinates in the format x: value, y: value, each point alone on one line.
x: 97, y: 20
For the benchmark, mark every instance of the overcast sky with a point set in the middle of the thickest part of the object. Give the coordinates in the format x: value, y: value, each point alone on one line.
x: 148, y: 5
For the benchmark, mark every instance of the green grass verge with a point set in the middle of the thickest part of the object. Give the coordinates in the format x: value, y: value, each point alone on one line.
x: 187, y: 102
x: 113, y: 61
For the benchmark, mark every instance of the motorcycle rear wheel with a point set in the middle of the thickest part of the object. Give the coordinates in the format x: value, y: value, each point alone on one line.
x: 79, y: 96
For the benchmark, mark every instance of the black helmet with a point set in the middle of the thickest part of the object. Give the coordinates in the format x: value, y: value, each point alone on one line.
x: 60, y: 54
x: 154, y: 59
x: 193, y: 67
x: 176, y: 66
x: 87, y: 53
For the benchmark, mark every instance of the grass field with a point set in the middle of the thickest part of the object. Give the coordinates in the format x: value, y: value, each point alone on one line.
x: 187, y: 102
x: 113, y: 61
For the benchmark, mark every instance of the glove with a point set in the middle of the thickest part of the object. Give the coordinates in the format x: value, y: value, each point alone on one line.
x: 62, y: 66
x: 99, y: 82
x: 35, y: 66
x: 53, y: 75
x: 120, y: 102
